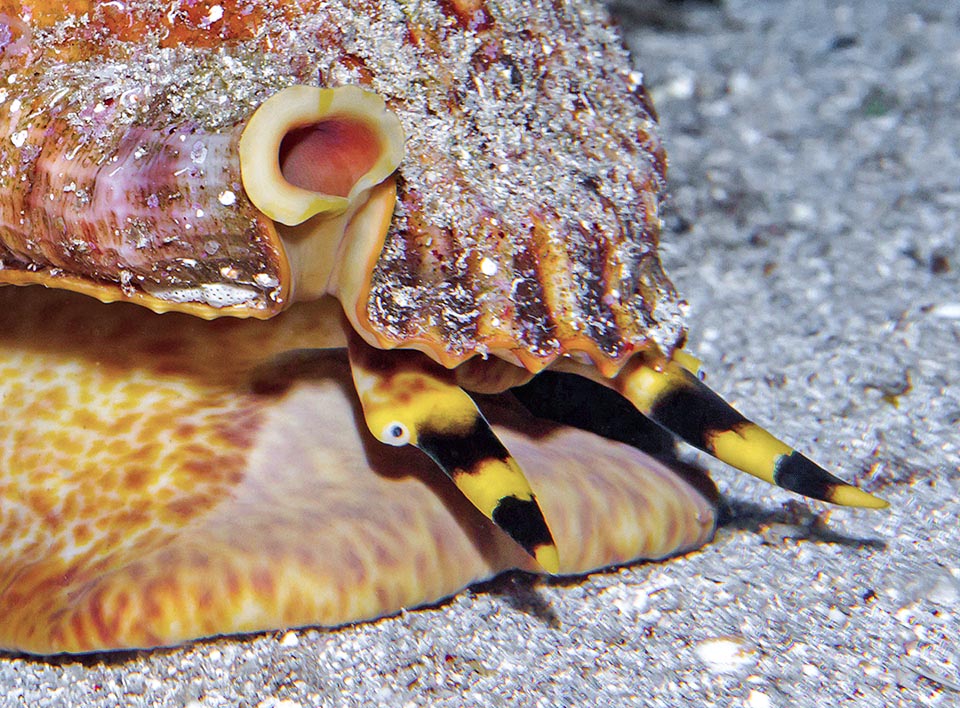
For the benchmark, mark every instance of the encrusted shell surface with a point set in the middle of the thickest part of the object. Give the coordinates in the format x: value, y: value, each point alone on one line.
x: 529, y: 196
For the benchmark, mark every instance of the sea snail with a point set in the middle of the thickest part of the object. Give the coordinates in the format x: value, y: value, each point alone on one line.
x: 295, y: 201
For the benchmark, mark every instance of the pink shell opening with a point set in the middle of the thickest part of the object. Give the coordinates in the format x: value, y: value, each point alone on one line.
x: 329, y: 156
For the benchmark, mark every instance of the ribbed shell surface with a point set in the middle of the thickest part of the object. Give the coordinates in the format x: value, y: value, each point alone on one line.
x: 529, y: 210
x: 528, y: 215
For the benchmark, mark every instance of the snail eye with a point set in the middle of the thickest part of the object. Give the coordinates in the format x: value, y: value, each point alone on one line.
x: 395, y: 434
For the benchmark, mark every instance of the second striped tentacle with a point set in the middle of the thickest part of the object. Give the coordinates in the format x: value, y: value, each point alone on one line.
x: 670, y: 393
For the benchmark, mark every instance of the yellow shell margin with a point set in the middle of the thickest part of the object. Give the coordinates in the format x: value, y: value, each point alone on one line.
x: 298, y: 106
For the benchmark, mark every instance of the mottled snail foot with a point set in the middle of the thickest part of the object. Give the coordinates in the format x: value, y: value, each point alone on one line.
x: 409, y: 400
x: 198, y: 488
x: 314, y: 160
x: 672, y: 395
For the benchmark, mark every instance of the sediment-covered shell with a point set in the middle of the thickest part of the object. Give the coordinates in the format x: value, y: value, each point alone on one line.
x: 527, y: 220
x: 166, y: 155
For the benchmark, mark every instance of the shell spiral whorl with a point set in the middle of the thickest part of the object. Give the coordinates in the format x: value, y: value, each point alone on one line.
x: 181, y: 216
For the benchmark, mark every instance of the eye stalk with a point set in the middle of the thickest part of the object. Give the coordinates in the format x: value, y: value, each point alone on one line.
x: 318, y: 163
x: 444, y: 422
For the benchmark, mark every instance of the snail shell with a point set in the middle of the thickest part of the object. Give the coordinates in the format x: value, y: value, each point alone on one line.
x: 184, y: 159
x: 528, y: 208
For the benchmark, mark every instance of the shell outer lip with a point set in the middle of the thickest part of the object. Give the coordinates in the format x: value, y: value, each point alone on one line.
x: 297, y: 106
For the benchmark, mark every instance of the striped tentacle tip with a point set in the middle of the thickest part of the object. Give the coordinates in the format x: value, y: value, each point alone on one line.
x: 488, y: 476
x: 523, y: 521
x: 799, y: 474
x: 679, y: 401
x: 750, y: 448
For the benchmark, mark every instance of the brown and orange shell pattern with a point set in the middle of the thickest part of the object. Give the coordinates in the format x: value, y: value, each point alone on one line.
x: 529, y: 174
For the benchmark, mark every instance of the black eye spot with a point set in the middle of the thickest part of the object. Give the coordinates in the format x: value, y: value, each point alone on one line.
x: 395, y: 434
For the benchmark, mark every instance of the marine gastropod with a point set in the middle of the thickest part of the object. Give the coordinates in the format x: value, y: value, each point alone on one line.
x: 471, y: 191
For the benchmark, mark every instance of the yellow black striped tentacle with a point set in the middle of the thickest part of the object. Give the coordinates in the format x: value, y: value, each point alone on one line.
x: 409, y: 400
x: 482, y: 468
x: 676, y: 399
x: 584, y: 403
